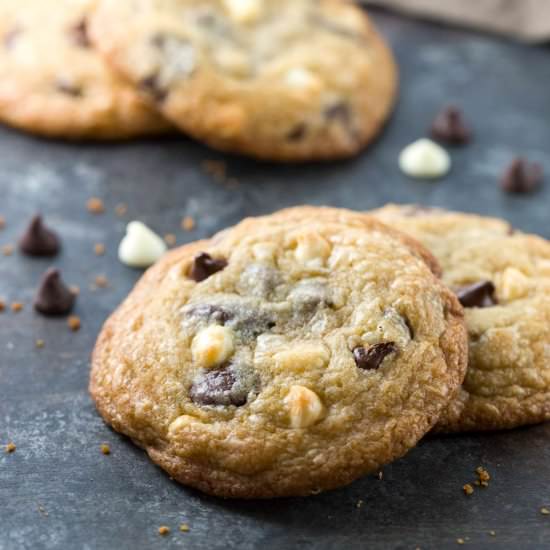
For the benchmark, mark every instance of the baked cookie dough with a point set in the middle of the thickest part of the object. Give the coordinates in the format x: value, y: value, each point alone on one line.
x: 503, y: 279
x: 282, y: 357
x: 288, y: 80
x: 53, y: 83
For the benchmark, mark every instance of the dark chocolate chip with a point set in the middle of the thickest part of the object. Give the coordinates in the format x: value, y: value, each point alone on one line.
x: 297, y: 133
x: 339, y: 112
x: 38, y: 240
x: 10, y: 38
x: 480, y: 294
x: 68, y: 88
x: 521, y: 176
x: 151, y: 86
x: 372, y: 357
x: 79, y: 34
x: 53, y: 297
x: 211, y: 313
x: 204, y: 266
x: 218, y: 387
x: 449, y: 127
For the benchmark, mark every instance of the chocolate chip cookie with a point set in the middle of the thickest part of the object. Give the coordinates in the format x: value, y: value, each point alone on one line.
x: 278, y: 79
x: 502, y: 278
x: 282, y: 357
x: 53, y: 83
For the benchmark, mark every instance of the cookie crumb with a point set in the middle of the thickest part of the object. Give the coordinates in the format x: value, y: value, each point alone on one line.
x: 164, y: 530
x: 2, y: 305
x: 2, y: 222
x: 16, y: 307
x: 121, y: 209
x: 101, y: 281
x: 380, y: 475
x: 493, y: 533
x: 468, y: 489
x: 359, y: 503
x: 42, y: 511
x: 10, y: 447
x: 39, y: 343
x: 73, y: 323
x: 215, y: 168
x: 170, y: 239
x: 545, y: 511
x: 483, y: 476
x: 105, y: 449
x: 460, y: 541
x: 232, y: 183
x: 7, y: 249
x: 75, y: 290
x: 95, y: 205
x: 184, y: 528
x: 188, y: 223
x: 99, y: 249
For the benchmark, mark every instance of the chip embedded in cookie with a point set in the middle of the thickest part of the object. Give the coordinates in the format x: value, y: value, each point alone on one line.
x: 289, y: 80
x: 502, y: 278
x: 53, y: 83
x: 315, y: 352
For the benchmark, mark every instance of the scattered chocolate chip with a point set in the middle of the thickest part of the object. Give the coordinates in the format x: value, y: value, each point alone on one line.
x: 38, y: 240
x: 297, y: 133
x: 204, y: 266
x: 339, y: 112
x: 10, y: 37
x: 218, y: 387
x: 95, y: 205
x: 151, y: 86
x: 53, y: 297
x: 521, y: 176
x: 480, y: 294
x: 371, y: 358
x: 79, y: 34
x: 449, y: 127
x: 68, y: 88
x: 210, y: 313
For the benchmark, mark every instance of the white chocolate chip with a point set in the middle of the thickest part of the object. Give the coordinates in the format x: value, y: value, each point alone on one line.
x: 303, y: 356
x: 301, y: 78
x: 312, y: 250
x: 140, y: 247
x: 180, y: 423
x: 512, y: 284
x: 305, y: 407
x: 244, y: 11
x: 424, y: 159
x: 234, y: 62
x: 212, y: 346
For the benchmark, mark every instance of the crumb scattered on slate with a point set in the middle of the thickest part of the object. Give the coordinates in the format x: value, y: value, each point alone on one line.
x: 483, y: 476
x: 101, y: 281
x: 73, y: 323
x: 75, y: 290
x: 188, y: 223
x: 10, y: 447
x: 16, y: 307
x: 95, y: 206
x: 215, y: 168
x: 184, y: 528
x: 105, y: 449
x: 545, y: 511
x: 493, y: 533
x: 42, y: 511
x: 460, y: 541
x: 2, y: 305
x: 39, y: 343
x: 2, y: 222
x: 170, y: 239
x: 99, y: 249
x: 380, y: 475
x: 121, y: 209
x: 359, y: 503
x: 7, y: 249
x: 164, y: 530
x: 468, y: 489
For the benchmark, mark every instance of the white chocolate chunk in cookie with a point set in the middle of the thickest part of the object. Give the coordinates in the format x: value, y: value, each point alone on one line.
x: 302, y: 356
x: 312, y: 250
x: 305, y: 407
x: 212, y: 346
x: 512, y: 284
x: 140, y: 247
x: 424, y: 159
x: 302, y: 79
x: 264, y: 252
x: 233, y: 61
x: 244, y: 11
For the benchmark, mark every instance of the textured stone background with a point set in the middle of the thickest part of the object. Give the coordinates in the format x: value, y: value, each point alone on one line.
x: 58, y: 491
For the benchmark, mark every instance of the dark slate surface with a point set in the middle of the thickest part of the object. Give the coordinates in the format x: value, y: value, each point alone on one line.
x: 58, y: 491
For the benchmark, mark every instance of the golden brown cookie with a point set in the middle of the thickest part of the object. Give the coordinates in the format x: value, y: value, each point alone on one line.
x: 289, y: 80
x: 53, y: 83
x: 503, y: 279
x: 282, y: 357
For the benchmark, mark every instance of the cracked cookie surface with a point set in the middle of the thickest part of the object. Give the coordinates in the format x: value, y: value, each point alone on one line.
x: 502, y: 278
x: 315, y: 352
x: 53, y: 83
x: 276, y: 79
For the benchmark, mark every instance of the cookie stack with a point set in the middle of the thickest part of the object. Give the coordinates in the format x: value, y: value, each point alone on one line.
x: 259, y: 77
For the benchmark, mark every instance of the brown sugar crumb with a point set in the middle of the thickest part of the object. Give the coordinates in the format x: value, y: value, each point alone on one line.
x: 545, y: 511
x: 184, y: 528
x: 164, y: 530
x: 170, y: 239
x: 483, y: 477
x: 215, y: 168
x: 75, y: 290
x: 232, y: 183
x: 101, y: 281
x: 105, y: 449
x: 99, y: 249
x: 42, y: 511
x: 73, y: 323
x: 460, y: 541
x: 2, y: 305
x: 95, y: 206
x: 468, y: 489
x: 2, y: 222
x: 359, y: 503
x: 7, y: 249
x: 10, y: 447
x: 121, y: 209
x: 39, y: 343
x: 188, y: 223
x: 16, y: 307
